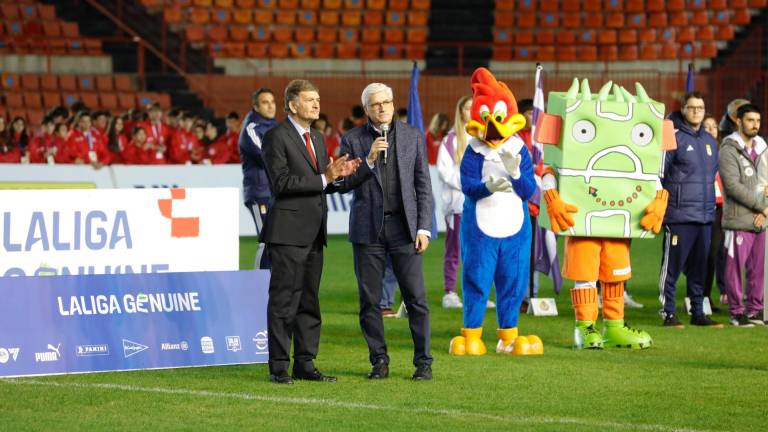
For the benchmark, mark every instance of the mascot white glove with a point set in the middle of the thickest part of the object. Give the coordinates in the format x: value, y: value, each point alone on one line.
x: 498, y: 185
x: 511, y: 163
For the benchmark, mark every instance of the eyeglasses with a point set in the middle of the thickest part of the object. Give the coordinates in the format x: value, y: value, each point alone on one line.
x: 382, y: 104
x: 695, y: 108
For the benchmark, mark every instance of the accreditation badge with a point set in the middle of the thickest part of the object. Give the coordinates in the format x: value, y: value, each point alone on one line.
x: 709, y: 150
x: 674, y: 240
x: 92, y: 156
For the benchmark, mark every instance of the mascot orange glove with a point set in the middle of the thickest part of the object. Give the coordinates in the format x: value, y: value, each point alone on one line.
x: 654, y: 213
x: 558, y: 211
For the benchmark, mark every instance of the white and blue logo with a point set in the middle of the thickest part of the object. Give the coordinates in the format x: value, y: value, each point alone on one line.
x: 131, y: 348
x: 92, y: 350
x: 233, y: 343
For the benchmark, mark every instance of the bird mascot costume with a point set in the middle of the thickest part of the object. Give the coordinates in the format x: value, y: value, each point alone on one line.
x: 602, y: 188
x: 497, y: 180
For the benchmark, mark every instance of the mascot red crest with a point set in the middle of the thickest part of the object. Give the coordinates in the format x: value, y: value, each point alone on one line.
x: 494, y: 110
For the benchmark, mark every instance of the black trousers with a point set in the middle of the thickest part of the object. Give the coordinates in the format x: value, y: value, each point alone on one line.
x: 370, y: 261
x: 293, y: 309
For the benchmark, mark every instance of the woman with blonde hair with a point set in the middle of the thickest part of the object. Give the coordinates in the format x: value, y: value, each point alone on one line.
x: 448, y: 162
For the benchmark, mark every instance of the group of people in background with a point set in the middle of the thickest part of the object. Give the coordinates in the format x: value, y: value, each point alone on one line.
x: 77, y: 135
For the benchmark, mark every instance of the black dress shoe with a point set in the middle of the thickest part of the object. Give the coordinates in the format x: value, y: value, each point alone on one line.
x: 380, y: 370
x: 281, y: 378
x: 315, y: 375
x: 423, y: 373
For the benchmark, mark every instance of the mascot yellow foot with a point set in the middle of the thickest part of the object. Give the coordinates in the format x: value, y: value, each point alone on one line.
x: 511, y: 343
x: 469, y: 343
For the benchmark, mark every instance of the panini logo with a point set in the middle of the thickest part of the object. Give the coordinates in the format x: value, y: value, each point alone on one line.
x: 181, y: 346
x: 131, y: 348
x: 92, y: 350
x: 53, y: 354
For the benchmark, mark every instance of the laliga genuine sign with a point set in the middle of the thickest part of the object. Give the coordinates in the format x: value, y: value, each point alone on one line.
x: 117, y: 231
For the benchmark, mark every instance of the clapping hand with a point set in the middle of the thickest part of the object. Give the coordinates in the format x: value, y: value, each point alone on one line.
x: 511, y: 162
x: 341, y: 167
x: 498, y: 185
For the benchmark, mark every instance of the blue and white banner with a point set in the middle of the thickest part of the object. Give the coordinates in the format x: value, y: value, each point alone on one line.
x: 98, y: 323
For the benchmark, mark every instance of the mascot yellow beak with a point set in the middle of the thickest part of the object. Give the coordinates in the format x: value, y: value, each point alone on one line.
x: 494, y: 133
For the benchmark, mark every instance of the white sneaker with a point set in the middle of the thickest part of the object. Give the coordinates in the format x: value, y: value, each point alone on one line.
x: 452, y: 301
x: 490, y: 305
x: 630, y: 302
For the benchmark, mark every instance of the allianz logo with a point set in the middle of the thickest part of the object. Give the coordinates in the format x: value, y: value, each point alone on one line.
x: 92, y: 350
x: 168, y: 346
x: 53, y: 354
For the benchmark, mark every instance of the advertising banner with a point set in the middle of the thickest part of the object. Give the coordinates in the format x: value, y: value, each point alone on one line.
x: 70, y: 324
x: 113, y: 231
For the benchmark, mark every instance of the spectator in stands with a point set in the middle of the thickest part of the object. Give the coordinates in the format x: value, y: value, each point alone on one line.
x: 358, y: 115
x: 9, y: 148
x: 138, y: 151
x: 59, y: 114
x: 256, y: 192
x: 448, y: 163
x: 743, y: 168
x: 689, y: 177
x: 117, y: 141
x: 75, y: 108
x: 17, y: 134
x: 232, y: 137
x: 62, y: 132
x: 402, y: 115
x: 185, y: 147
x: 716, y: 255
x: 728, y: 122
x: 45, y: 147
x: 199, y: 130
x: 172, y: 119
x: 158, y: 133
x: 101, y: 121
x: 84, y: 145
x: 331, y: 139
x: 216, y: 149
x: 438, y: 127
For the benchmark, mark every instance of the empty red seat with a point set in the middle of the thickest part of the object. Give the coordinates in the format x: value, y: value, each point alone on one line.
x: 502, y: 53
x: 217, y: 34
x: 649, y: 52
x: 30, y: 82
x: 549, y: 20
x: 91, y: 100
x: 283, y: 17
x: 669, y: 51
x: 415, y: 52
x: 506, y: 5
x: 393, y: 36
x: 675, y: 5
x: 370, y: 52
x: 545, y: 53
x: 678, y: 18
x: 545, y: 37
x: 49, y: 82
x: 373, y: 18
x: 282, y: 34
x: 614, y: 20
x: 417, y: 35
x: 566, y: 53
x: 526, y: 20
x: 725, y: 33
x: 627, y: 37
x: 572, y: 21
x: 421, y: 5
x: 636, y: 21
x: 307, y: 18
x: 592, y: 6
x: 243, y: 16
x: 741, y: 17
x: 526, y: 5
x: 261, y: 34
x: 418, y: 18
x: 608, y: 53
x: 351, y: 18
x: 587, y: 53
x: 376, y: 4
x: 304, y: 34
x: 51, y: 99
x: 708, y: 50
x: 329, y: 18
x: 647, y: 35
x: 124, y: 83
x: 721, y: 17
x: 504, y: 19
x: 700, y: 18
x: 658, y: 19
x: 565, y: 37
x: 502, y: 37
x: 686, y: 34
x: 687, y: 51
x: 525, y: 53
x: 108, y: 101
x: 331, y: 4
x: 353, y: 4
x: 395, y: 18
x: 392, y: 51
x: 14, y: 100
x: 371, y: 35
x: 607, y: 37
x: 349, y: 35
x: 325, y: 50
x: 594, y: 21
x: 221, y: 16
x: 238, y: 33
x: 523, y: 38
x: 628, y: 52
x: 279, y: 50
x: 328, y: 34
x: 195, y: 34
x: 300, y: 50
x: 263, y: 17
x: 346, y: 50
x: 256, y: 50
x: 67, y: 83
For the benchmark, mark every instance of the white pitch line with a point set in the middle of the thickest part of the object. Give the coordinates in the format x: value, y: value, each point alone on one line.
x: 528, y: 420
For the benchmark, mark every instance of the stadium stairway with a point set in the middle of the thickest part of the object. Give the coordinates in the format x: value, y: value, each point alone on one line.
x: 450, y: 22
x: 149, y: 27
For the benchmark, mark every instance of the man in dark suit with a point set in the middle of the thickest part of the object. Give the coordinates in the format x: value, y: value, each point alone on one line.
x: 300, y: 175
x: 391, y: 215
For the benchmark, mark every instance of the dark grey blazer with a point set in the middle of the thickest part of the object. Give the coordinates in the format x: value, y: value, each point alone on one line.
x: 367, y: 214
x: 299, y: 210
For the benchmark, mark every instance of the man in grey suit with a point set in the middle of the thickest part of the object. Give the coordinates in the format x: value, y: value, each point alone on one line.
x: 391, y: 215
x: 300, y: 174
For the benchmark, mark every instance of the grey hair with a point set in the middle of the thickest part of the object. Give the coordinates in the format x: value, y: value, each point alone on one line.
x: 375, y: 88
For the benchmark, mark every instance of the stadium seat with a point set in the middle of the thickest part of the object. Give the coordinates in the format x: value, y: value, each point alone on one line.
x: 49, y: 82
x: 545, y: 53
x: 526, y: 20
x: 395, y: 18
x: 545, y: 37
x: 46, y: 12
x: 57, y: 46
x: 741, y: 17
x: 91, y: 100
x: 307, y: 18
x: 199, y: 16
x: 304, y: 35
x: 346, y: 51
x: 614, y: 20
x: 722, y: 17
x: 686, y: 34
x: 502, y: 37
x: 678, y: 19
x: 758, y: 4
x: 392, y: 51
x: 282, y: 34
x: 10, y: 81
x: 627, y: 37
x: 636, y: 21
x: 67, y: 83
x: 349, y: 35
x: 655, y: 5
x: 217, y: 34
x: 245, y: 4
x: 658, y: 19
x: 353, y: 4
x: 398, y: 4
x: 195, y: 34
x: 329, y: 18
x: 587, y: 37
x: 202, y: 3
x: 649, y: 52
x: 279, y: 50
x: 52, y: 29
x: 92, y: 46
x: 528, y: 6
x: 9, y: 11
x: 300, y: 50
x: 351, y: 18
x: 221, y: 16
x: 525, y: 53
x: 593, y: 21
x: 707, y: 50
x: 35, y: 117
x: 261, y: 34
x: 669, y: 51
x: 504, y: 19
x: 75, y: 46
x: 370, y: 52
x: 126, y: 100
x: 523, y: 38
x: 668, y: 35
x: 86, y: 83
x: 284, y: 17
x: 607, y: 37
x: 705, y: 33
x: 687, y: 51
x: 422, y: 5
x: 549, y: 20
x: 30, y: 82
x: 171, y: 15
x: 592, y: 6
x: 634, y: 6
x: 14, y: 100
x: 502, y: 53
x: 674, y: 5
x: 263, y: 17
x: 328, y: 34
x: 69, y: 98
x: 227, y: 4
x: 51, y: 99
x: 608, y: 53
x: 572, y: 21
x: 565, y: 37
x: 415, y: 52
x: 331, y: 4
x: 738, y: 4
x: 549, y: 6
x: 647, y: 35
x: 376, y: 5
x: 267, y: 4
x: 417, y: 36
x: 104, y: 83
x: 373, y: 18
x: 256, y: 50
x: 325, y: 50
x: 123, y: 83
x: 505, y: 5
x: 570, y: 6
x: 288, y: 4
x: 418, y: 18
x: 394, y: 36
x: 242, y: 16
x: 700, y: 18
x: 238, y: 33
x: 725, y: 33
x: 566, y: 53
x: 628, y: 53
x: 370, y: 35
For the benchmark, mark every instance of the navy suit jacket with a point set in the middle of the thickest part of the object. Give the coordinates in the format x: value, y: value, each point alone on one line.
x: 366, y: 217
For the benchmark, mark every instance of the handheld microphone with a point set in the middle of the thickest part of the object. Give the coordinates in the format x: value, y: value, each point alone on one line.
x: 385, y: 129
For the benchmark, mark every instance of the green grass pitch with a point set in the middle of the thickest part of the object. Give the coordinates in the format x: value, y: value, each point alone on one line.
x: 691, y: 379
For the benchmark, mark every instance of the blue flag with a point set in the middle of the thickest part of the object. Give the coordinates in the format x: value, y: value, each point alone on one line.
x: 689, y: 81
x: 414, y: 106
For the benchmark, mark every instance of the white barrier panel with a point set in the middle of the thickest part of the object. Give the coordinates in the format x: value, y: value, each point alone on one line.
x: 176, y: 176
x: 104, y: 231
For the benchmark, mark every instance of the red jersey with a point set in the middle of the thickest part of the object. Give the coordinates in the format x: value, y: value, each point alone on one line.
x: 42, y: 145
x: 10, y: 154
x: 86, y: 147
x: 219, y: 151
x: 332, y: 145
x: 158, y: 133
x: 433, y: 145
x: 184, y: 148
x: 233, y: 144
